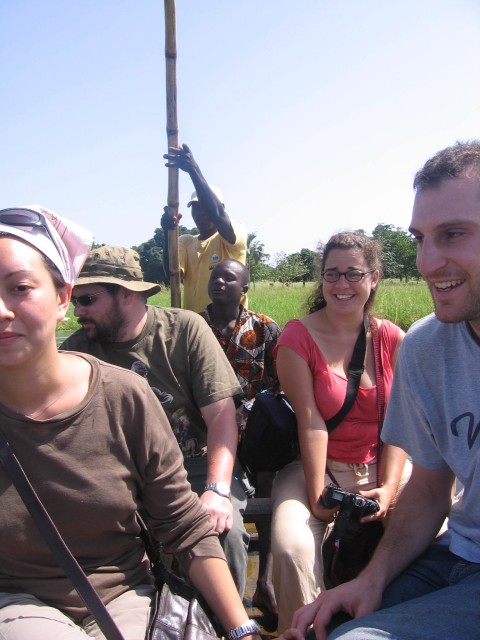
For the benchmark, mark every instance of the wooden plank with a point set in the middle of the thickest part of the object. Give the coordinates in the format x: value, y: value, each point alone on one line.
x: 258, y: 509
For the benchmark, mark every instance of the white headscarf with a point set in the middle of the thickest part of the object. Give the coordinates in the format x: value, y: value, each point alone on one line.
x: 69, y: 248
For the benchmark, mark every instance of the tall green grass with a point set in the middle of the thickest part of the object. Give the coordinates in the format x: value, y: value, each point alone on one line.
x: 278, y: 301
x: 402, y: 303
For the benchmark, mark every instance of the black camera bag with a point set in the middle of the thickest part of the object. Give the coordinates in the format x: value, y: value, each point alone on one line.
x: 343, y: 559
x: 270, y: 440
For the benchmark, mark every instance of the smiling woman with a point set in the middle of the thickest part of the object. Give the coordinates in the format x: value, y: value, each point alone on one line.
x: 313, y: 356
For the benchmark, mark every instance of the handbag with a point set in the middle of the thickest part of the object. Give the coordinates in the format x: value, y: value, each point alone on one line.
x: 178, y: 610
x: 345, y: 556
x: 270, y: 439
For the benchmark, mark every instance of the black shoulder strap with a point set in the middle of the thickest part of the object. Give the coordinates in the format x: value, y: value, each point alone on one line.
x: 56, y: 543
x: 355, y: 370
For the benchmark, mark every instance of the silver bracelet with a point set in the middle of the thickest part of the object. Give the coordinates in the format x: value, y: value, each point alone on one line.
x: 250, y: 627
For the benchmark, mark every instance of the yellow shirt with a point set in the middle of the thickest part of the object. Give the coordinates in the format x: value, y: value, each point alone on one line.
x: 197, y: 259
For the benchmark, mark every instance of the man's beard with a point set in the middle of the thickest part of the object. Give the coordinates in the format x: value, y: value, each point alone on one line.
x: 470, y: 312
x: 101, y: 332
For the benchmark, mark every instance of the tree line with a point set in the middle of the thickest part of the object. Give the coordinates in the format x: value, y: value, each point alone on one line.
x: 398, y: 257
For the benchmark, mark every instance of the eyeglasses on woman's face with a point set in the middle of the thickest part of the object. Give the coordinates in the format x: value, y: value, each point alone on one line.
x: 352, y: 275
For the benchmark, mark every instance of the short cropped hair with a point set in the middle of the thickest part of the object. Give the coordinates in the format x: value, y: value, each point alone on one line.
x: 459, y: 160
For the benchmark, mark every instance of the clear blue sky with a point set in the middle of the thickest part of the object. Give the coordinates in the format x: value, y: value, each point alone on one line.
x: 311, y: 116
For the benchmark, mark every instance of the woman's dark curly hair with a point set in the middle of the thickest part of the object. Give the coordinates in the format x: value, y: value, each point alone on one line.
x: 370, y: 249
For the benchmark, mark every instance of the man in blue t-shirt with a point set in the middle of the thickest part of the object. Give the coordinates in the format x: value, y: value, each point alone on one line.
x: 428, y: 587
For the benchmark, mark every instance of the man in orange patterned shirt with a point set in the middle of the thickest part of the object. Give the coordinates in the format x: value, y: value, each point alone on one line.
x: 248, y: 339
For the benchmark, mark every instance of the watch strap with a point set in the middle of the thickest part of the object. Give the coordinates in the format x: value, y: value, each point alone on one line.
x: 246, y: 629
x: 213, y: 486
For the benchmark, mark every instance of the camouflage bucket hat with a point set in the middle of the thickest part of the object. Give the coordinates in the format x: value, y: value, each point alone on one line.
x: 116, y: 265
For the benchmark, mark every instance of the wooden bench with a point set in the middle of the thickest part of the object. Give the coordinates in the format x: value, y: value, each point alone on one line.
x: 258, y: 510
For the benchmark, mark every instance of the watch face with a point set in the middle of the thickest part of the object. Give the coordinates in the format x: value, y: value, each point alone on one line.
x: 223, y: 488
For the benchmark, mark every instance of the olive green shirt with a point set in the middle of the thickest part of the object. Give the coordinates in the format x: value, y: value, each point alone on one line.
x: 183, y: 363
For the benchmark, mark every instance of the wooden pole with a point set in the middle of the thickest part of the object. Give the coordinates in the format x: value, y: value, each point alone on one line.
x: 172, y: 136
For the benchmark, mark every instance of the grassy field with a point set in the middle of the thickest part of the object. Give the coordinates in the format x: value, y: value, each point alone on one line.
x: 403, y: 303
x: 399, y: 302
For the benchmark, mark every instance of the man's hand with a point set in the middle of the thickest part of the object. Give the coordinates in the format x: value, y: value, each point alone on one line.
x: 220, y: 510
x: 356, y: 598
x: 181, y: 158
x: 168, y: 222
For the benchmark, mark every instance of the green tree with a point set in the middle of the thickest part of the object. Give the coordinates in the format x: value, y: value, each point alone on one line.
x: 256, y: 258
x: 151, y: 254
x: 296, y: 267
x: 151, y: 259
x: 398, y: 253
x: 264, y: 271
x: 309, y: 259
x: 289, y: 268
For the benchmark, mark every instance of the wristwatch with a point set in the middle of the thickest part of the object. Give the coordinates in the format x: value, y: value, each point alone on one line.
x: 250, y: 627
x: 222, y: 488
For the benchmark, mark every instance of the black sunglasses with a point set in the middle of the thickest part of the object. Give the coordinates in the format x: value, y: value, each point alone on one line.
x: 86, y: 299
x: 27, y: 218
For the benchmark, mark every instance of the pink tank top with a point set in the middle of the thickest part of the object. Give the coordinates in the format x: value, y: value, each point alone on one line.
x: 355, y: 438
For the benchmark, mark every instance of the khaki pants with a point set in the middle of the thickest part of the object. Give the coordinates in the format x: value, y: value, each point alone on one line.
x: 24, y: 617
x: 297, y: 535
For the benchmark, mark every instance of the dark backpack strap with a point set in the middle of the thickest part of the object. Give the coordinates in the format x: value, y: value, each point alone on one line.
x: 56, y: 543
x: 355, y: 370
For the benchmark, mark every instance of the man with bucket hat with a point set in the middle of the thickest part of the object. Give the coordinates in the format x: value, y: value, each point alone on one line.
x: 219, y: 237
x: 178, y: 354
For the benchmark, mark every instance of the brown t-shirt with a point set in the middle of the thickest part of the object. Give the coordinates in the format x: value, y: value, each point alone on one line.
x: 92, y: 467
x: 180, y: 357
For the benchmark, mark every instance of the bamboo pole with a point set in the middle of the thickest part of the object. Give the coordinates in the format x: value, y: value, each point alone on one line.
x: 172, y: 136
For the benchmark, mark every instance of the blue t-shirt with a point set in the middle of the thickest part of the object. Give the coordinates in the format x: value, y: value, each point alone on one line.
x: 434, y: 415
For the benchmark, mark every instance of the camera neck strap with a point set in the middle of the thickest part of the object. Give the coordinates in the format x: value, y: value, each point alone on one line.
x: 355, y: 370
x: 380, y: 393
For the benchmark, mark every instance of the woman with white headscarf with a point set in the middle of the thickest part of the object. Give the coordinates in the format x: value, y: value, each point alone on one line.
x: 95, y: 444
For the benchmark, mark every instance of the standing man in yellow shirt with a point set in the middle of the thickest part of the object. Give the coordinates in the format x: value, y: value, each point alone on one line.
x: 219, y: 235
